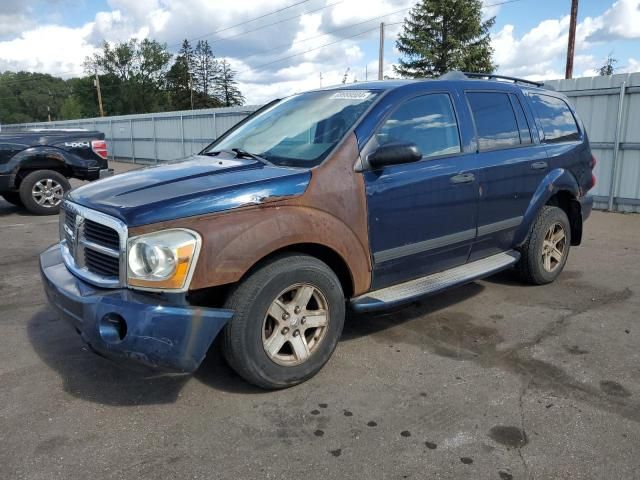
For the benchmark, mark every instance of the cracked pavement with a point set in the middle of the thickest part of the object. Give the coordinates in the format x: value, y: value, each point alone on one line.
x: 491, y: 380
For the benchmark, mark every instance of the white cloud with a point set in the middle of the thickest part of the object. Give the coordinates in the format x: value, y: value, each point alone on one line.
x: 620, y: 21
x: 632, y: 66
x: 540, y: 53
x: 51, y: 49
x: 287, y: 57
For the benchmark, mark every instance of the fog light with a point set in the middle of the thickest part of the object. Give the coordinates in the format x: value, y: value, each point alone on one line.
x: 112, y: 328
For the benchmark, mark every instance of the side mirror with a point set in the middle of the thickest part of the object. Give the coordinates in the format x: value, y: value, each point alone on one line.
x: 394, y: 153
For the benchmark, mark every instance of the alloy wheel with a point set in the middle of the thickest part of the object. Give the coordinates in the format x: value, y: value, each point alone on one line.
x: 553, y: 247
x: 295, y: 324
x: 47, y: 193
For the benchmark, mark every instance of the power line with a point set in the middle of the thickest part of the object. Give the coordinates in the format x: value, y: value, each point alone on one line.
x: 284, y: 45
x: 345, y: 38
x: 216, y: 32
x: 257, y: 67
x: 276, y: 23
x: 245, y: 22
x: 289, y: 45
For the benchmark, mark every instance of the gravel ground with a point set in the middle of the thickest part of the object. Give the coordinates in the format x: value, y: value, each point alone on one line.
x: 490, y: 380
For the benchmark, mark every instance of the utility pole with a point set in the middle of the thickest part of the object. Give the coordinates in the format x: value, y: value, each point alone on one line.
x: 191, y: 87
x: 97, y: 83
x: 381, y: 52
x: 320, y: 79
x: 48, y: 107
x: 572, y: 39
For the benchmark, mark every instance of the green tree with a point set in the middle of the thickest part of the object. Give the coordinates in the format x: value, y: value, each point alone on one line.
x: 226, y: 86
x: 205, y: 72
x: 29, y: 97
x: 71, y: 108
x: 135, y: 72
x: 443, y: 35
x: 179, y: 79
x: 609, y: 66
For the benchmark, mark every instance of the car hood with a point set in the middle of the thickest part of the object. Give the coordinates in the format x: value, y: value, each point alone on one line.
x: 195, y: 186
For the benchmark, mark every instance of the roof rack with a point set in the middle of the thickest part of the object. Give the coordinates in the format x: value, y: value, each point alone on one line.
x: 491, y: 76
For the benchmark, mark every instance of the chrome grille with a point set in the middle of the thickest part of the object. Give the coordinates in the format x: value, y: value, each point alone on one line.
x: 93, y: 245
x: 101, y: 263
x: 101, y: 234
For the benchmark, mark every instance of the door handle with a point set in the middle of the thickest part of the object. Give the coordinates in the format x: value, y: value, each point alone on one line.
x: 539, y: 165
x: 462, y: 178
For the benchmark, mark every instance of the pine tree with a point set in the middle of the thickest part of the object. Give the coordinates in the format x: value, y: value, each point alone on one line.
x: 226, y: 86
x: 179, y: 79
x: 205, y: 72
x: 444, y: 35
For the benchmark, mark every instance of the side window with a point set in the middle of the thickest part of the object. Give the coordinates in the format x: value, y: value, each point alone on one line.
x: 523, y: 125
x: 428, y: 121
x: 555, y: 117
x: 495, y: 120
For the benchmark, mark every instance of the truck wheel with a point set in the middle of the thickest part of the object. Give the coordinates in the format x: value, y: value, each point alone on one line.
x: 545, y: 252
x: 42, y: 191
x: 288, y: 318
x: 13, y: 198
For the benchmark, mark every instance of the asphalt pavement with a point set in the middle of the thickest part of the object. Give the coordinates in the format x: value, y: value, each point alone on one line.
x: 493, y: 380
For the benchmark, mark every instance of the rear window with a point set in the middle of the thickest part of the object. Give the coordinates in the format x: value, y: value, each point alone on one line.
x: 558, y: 123
x: 495, y: 120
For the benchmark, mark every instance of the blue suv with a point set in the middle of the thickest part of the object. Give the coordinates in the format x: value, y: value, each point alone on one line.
x: 363, y: 196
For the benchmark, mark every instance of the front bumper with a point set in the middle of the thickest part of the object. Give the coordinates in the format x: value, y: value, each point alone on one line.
x: 168, y: 336
x: 106, y: 173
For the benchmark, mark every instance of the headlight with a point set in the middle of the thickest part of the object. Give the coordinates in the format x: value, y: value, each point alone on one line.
x: 162, y: 260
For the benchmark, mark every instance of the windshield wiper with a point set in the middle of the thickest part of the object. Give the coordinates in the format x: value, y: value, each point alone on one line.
x: 243, y: 153
x: 239, y: 153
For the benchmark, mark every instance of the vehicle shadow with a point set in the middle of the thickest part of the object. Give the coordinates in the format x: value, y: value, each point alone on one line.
x: 93, y: 378
x: 90, y: 377
x: 7, y: 209
x: 507, y: 277
x: 361, y: 324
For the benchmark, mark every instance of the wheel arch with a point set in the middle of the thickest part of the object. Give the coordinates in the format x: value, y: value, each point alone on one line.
x: 321, y: 252
x: 37, y: 158
x: 558, y: 188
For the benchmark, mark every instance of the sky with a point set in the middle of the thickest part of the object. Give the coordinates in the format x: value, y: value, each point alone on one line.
x: 288, y: 46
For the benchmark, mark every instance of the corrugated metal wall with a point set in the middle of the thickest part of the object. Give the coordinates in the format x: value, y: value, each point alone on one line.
x: 615, y: 138
x: 614, y: 134
x: 157, y: 137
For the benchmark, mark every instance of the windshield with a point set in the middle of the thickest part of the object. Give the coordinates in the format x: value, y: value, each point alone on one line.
x: 299, y: 131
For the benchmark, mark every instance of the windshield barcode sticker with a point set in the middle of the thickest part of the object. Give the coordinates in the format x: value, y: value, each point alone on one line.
x: 350, y: 95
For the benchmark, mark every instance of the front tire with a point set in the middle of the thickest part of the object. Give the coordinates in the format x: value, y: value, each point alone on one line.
x: 42, y: 191
x: 545, y: 252
x: 288, y: 319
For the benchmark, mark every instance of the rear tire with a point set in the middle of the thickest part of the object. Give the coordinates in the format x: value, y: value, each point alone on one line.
x: 42, y: 191
x: 13, y: 198
x: 288, y: 319
x: 545, y: 252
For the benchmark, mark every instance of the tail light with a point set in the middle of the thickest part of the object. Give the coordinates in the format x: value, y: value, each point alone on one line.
x: 99, y: 147
x: 593, y: 165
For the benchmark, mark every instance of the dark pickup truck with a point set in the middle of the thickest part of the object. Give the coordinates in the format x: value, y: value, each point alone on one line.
x: 35, y: 165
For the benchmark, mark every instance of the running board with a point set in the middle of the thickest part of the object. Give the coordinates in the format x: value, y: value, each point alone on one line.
x: 409, y: 291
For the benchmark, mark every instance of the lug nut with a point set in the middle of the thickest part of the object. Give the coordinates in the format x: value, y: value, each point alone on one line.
x: 296, y: 333
x: 285, y: 316
x: 296, y: 310
x: 303, y: 320
x: 285, y: 330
